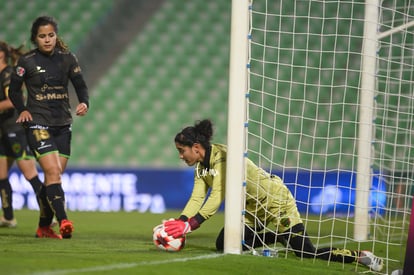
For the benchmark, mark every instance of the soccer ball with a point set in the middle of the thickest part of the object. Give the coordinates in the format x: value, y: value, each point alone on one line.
x: 165, y: 242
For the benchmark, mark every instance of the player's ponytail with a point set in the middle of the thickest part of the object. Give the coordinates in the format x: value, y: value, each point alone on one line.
x: 15, y: 54
x: 204, y: 130
x: 4, y: 47
x: 11, y: 54
x: 61, y: 45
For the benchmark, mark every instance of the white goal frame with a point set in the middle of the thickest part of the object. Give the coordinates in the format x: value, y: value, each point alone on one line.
x: 237, y: 119
x: 236, y: 126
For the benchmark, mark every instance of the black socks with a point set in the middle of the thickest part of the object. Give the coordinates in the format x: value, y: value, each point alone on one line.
x: 36, y: 184
x: 46, y: 212
x: 56, y: 198
x: 6, y: 199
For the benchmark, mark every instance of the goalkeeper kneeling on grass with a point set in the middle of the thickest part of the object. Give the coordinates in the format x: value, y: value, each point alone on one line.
x: 194, y: 147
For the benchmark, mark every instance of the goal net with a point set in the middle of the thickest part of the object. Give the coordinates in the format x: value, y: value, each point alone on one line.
x: 329, y: 110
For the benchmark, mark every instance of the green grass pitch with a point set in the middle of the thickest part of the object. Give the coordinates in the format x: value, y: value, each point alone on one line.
x: 121, y: 243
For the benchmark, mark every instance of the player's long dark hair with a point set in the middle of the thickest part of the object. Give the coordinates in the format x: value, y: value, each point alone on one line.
x: 43, y: 21
x: 11, y: 54
x: 201, y: 133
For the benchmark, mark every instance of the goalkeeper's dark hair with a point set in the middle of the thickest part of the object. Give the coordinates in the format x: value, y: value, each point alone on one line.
x: 201, y: 133
x: 43, y: 21
x: 11, y: 54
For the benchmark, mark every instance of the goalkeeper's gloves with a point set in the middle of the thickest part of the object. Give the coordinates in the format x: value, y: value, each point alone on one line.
x: 179, y: 228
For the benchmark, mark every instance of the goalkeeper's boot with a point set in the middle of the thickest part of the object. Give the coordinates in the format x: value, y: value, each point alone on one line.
x: 7, y: 223
x: 66, y: 229
x: 47, y: 232
x: 369, y: 259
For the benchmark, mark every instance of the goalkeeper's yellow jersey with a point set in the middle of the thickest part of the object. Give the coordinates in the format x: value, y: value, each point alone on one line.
x: 267, y: 197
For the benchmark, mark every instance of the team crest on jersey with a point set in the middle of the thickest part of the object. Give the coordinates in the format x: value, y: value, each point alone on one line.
x: 16, y: 148
x: 20, y: 71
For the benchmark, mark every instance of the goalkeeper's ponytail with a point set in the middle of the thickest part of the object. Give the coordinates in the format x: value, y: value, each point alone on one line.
x: 204, y: 131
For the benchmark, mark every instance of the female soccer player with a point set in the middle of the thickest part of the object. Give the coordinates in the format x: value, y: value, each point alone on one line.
x: 47, y: 117
x: 13, y: 143
x: 194, y: 147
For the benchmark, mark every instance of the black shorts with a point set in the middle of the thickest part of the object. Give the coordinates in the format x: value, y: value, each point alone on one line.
x: 46, y: 139
x: 13, y: 144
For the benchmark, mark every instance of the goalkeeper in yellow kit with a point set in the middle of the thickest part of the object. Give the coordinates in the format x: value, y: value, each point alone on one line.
x: 268, y: 201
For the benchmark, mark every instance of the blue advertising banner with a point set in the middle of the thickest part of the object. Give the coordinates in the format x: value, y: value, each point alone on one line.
x: 143, y: 190
x: 156, y: 190
x: 320, y: 192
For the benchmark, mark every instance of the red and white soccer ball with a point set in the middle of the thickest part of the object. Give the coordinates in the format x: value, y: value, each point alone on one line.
x: 165, y: 242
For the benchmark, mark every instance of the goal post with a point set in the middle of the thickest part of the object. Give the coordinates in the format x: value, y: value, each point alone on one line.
x: 366, y: 115
x: 320, y: 94
x: 236, y: 126
x: 371, y: 39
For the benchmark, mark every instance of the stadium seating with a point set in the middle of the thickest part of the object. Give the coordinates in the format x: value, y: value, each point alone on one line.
x: 170, y: 76
x: 74, y: 22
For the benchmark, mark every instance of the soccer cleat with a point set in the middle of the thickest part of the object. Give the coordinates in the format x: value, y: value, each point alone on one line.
x: 47, y: 232
x: 66, y: 229
x: 7, y: 223
x: 369, y: 259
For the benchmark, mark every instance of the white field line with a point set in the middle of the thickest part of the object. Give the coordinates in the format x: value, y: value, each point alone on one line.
x: 126, y: 265
x: 131, y: 265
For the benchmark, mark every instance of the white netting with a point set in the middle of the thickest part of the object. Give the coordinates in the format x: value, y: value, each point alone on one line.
x: 305, y: 60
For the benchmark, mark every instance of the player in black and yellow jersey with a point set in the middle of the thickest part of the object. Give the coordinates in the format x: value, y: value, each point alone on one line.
x: 13, y: 142
x: 46, y: 72
x: 268, y: 201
